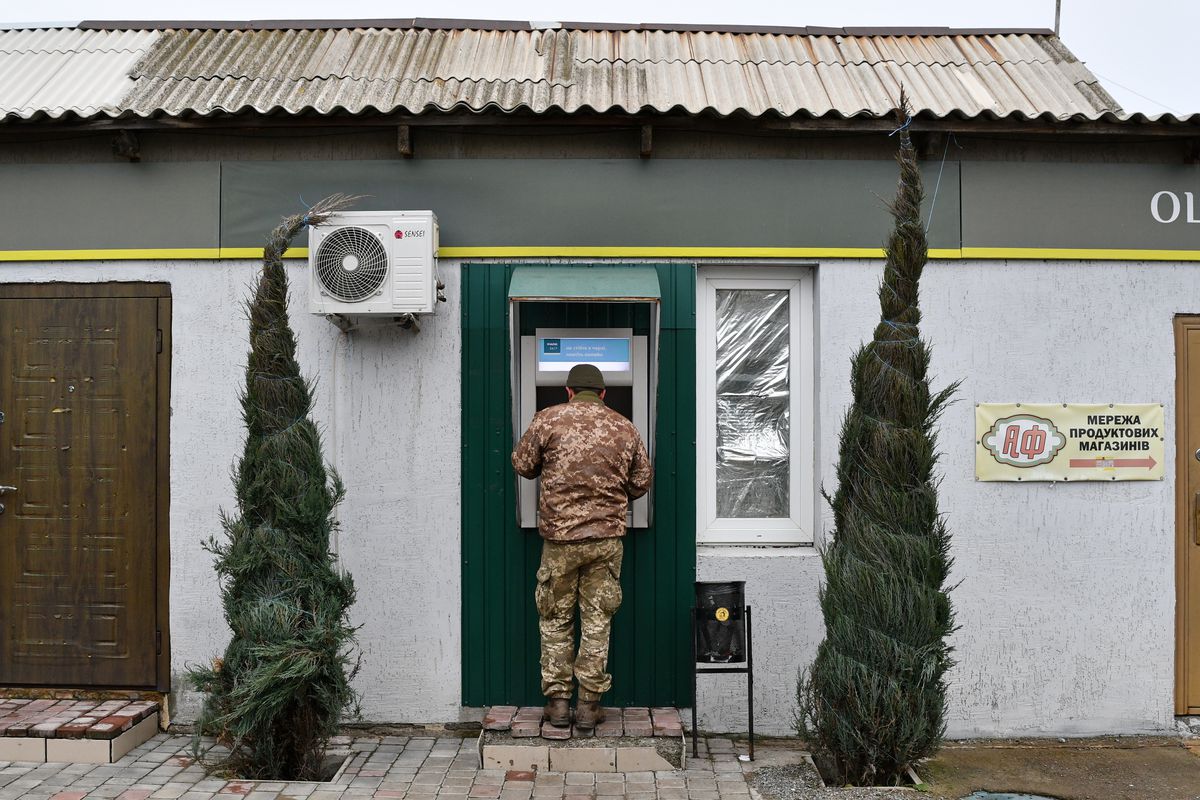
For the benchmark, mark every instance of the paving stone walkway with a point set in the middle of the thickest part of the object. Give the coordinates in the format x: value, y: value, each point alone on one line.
x: 413, y: 767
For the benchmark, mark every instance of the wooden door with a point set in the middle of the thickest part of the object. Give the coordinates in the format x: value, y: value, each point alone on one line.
x: 79, y: 532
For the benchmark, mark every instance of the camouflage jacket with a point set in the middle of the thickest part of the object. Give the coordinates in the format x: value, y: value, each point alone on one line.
x: 591, y: 460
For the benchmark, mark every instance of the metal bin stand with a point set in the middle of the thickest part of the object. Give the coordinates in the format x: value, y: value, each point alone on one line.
x: 720, y: 629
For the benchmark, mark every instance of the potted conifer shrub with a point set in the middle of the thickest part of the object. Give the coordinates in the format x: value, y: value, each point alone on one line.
x: 283, y: 685
x: 873, y: 702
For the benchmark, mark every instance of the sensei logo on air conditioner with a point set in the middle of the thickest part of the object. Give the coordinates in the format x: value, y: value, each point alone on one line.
x: 1023, y: 440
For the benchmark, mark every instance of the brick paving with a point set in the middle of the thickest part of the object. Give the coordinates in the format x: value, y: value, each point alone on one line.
x: 526, y: 723
x: 71, y: 719
x: 401, y: 767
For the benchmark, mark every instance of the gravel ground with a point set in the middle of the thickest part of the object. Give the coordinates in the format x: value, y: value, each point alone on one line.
x: 801, y: 782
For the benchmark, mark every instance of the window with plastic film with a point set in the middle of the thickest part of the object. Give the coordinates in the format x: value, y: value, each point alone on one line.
x: 754, y: 410
x: 753, y: 396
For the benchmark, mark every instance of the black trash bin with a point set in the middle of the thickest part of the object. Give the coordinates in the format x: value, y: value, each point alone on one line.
x: 721, y: 622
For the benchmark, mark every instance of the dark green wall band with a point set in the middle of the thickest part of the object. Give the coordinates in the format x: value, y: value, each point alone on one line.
x: 1092, y: 206
x: 110, y: 206
x: 596, y: 203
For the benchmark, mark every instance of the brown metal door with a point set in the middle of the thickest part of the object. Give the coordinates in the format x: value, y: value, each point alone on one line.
x: 1187, y: 515
x: 78, y: 388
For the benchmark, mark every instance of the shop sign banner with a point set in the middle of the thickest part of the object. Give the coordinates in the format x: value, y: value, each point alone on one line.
x: 1069, y: 441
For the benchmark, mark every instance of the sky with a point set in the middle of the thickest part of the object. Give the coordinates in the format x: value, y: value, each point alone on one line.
x: 1144, y: 53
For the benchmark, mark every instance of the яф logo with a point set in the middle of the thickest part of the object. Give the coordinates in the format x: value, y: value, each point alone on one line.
x: 1023, y: 440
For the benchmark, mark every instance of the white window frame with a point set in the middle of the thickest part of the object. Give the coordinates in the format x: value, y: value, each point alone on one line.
x: 798, y: 527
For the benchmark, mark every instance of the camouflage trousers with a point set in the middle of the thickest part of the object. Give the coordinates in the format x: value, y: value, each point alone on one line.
x: 587, y: 573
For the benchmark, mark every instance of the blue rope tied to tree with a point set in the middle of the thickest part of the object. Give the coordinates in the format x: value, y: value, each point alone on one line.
x: 907, y: 338
x: 904, y: 127
x: 889, y: 367
x: 938, y: 185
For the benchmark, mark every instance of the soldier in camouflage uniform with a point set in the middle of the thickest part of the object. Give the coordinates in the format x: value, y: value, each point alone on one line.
x: 591, y: 461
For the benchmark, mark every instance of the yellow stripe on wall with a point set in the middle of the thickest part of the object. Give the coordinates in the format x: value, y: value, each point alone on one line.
x: 257, y: 252
x: 662, y: 252
x: 1016, y: 253
x: 150, y: 254
x: 478, y: 252
x: 625, y: 252
x: 1079, y: 254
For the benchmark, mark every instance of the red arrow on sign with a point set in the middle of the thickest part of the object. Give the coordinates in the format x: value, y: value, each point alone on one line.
x: 1104, y: 463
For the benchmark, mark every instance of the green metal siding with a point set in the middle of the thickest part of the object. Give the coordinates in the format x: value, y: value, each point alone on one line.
x: 650, y: 650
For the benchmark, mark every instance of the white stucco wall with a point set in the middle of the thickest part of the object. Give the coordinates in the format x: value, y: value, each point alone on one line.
x: 1066, y: 599
x: 394, y: 438
x: 1066, y: 602
x: 781, y: 590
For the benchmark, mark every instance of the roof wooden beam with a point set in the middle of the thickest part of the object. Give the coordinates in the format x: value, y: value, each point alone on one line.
x: 1001, y: 126
x: 127, y: 146
x: 930, y: 144
x: 270, y: 125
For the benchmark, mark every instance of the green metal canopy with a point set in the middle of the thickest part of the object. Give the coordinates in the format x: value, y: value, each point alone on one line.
x: 584, y: 282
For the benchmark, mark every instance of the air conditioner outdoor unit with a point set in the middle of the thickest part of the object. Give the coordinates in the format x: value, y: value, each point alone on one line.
x: 369, y: 263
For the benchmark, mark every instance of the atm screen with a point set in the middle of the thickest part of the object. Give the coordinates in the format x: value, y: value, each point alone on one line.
x: 559, y: 354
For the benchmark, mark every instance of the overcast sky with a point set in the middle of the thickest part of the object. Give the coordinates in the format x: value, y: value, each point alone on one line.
x: 1145, y: 53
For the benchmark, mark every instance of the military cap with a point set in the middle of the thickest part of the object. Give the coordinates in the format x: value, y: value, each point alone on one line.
x: 585, y: 376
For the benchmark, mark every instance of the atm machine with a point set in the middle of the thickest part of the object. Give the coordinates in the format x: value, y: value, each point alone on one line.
x: 543, y: 355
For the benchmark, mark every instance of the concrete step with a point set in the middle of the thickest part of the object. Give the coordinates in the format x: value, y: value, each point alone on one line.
x: 74, y: 731
x: 629, y: 740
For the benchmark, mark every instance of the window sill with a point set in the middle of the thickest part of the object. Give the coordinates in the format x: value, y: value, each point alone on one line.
x: 794, y: 550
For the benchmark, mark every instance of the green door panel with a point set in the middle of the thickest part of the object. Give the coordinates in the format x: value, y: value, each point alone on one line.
x: 649, y: 653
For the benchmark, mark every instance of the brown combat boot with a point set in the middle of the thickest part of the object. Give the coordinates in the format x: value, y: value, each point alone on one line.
x: 557, y: 712
x: 588, y: 714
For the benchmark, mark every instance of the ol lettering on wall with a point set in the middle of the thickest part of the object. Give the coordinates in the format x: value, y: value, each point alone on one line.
x: 1166, y: 207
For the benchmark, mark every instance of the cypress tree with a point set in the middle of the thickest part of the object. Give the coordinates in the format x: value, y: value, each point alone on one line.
x: 873, y: 701
x: 279, y: 692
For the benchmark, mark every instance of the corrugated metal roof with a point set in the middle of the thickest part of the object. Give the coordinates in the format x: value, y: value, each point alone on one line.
x: 291, y: 68
x: 68, y: 71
